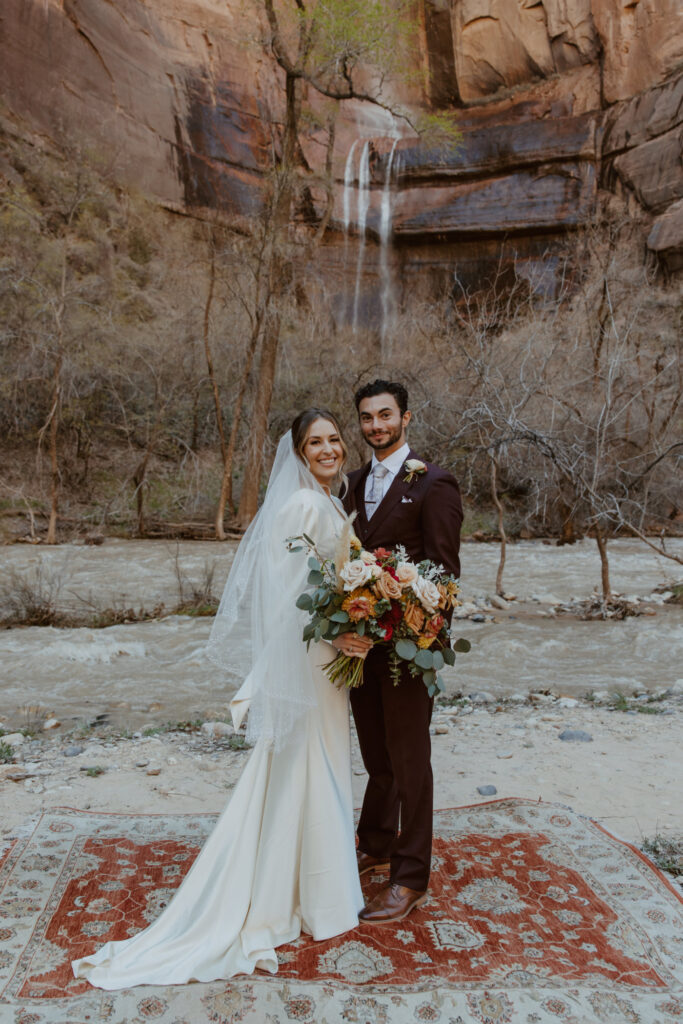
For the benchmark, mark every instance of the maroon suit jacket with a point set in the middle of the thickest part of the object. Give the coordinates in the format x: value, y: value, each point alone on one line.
x: 424, y: 515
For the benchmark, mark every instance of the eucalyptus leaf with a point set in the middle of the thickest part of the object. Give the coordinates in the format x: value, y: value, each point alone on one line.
x: 308, y: 540
x: 323, y: 626
x: 440, y: 684
x: 437, y: 660
x: 424, y: 659
x: 360, y: 628
x: 340, y: 616
x: 448, y: 655
x: 315, y: 577
x: 313, y: 563
x: 406, y: 649
x: 462, y: 645
x: 305, y: 602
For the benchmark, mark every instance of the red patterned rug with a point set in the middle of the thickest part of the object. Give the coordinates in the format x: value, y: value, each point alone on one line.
x: 535, y: 914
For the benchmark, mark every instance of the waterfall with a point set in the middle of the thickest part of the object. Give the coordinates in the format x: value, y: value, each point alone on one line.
x: 348, y: 185
x: 363, y: 204
x: 384, y: 236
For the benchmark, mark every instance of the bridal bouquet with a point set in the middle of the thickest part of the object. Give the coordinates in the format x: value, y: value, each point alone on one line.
x: 383, y: 595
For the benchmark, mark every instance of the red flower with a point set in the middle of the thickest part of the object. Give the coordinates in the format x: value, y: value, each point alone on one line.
x: 392, y: 617
x: 381, y: 554
x: 388, y: 631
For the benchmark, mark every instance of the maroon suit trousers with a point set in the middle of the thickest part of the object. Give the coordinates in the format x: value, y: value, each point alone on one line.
x: 393, y: 731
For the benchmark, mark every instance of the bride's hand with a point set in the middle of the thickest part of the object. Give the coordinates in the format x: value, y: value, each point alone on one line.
x: 352, y: 645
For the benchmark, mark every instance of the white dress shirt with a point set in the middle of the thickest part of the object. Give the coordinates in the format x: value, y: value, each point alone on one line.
x: 393, y: 464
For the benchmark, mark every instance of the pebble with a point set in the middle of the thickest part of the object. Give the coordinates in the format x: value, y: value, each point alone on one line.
x: 73, y: 751
x: 576, y: 736
x: 478, y: 618
x: 141, y: 764
x: 499, y: 602
x: 505, y: 755
x: 482, y: 697
x: 567, y: 702
x: 154, y: 771
x: 517, y: 698
x: 541, y: 698
x: 442, y: 730
x: 51, y: 723
x: 487, y: 790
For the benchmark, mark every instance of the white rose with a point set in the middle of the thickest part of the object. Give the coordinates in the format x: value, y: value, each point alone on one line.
x: 407, y: 574
x: 368, y: 557
x: 415, y: 466
x: 428, y: 594
x: 355, y: 574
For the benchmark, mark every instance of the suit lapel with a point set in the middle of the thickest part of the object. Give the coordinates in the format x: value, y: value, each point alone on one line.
x: 399, y: 488
x: 358, y: 498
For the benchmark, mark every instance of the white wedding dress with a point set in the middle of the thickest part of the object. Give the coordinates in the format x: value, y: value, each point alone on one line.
x: 281, y: 858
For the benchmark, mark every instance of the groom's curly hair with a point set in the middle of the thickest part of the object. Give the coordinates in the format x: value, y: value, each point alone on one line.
x: 383, y: 387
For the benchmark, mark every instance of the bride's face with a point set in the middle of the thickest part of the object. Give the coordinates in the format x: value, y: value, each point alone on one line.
x: 323, y: 451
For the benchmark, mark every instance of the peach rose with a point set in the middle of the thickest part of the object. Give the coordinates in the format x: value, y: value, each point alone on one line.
x: 414, y: 617
x: 388, y: 587
x: 407, y: 574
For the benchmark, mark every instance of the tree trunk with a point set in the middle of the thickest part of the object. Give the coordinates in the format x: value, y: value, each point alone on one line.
x: 501, y: 527
x: 604, y: 564
x: 226, y: 484
x: 259, y: 423
x: 207, y: 347
x: 54, y: 464
x: 278, y: 277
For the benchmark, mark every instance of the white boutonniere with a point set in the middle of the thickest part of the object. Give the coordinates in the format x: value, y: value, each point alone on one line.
x: 413, y: 468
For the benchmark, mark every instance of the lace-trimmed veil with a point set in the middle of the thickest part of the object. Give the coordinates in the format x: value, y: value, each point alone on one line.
x: 257, y: 629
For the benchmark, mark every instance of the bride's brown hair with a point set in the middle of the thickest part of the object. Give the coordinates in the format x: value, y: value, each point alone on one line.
x: 301, y: 427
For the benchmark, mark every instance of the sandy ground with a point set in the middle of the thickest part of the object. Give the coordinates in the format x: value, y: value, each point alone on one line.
x: 627, y: 777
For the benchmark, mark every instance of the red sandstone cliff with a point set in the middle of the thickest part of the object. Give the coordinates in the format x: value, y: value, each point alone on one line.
x: 559, y: 100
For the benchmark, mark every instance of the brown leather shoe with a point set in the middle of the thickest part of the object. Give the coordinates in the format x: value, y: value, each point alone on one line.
x: 392, y: 904
x: 368, y: 863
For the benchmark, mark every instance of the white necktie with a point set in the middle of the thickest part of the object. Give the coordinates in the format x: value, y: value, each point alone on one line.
x: 376, y: 489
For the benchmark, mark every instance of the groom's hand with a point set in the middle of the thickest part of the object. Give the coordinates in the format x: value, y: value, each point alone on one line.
x: 352, y: 645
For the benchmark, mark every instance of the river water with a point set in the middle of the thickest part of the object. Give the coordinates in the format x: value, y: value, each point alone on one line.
x: 157, y: 669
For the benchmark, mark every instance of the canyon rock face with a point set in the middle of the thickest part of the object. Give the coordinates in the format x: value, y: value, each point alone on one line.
x: 560, y: 103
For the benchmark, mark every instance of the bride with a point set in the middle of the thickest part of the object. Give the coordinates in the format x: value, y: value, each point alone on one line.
x: 281, y: 859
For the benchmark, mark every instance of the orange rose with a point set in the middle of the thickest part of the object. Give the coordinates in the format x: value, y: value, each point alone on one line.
x: 359, y: 605
x: 388, y: 587
x: 414, y: 617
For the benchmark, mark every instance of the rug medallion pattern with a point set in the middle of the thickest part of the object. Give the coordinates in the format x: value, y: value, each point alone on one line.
x: 535, y: 915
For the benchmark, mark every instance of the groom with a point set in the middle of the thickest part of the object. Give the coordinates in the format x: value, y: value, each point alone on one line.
x: 424, y: 514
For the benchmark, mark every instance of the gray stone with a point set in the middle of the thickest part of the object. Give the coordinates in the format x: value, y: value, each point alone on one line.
x: 51, y: 723
x: 499, y: 602
x: 487, y: 790
x: 73, y: 751
x: 13, y: 739
x: 576, y: 736
x: 482, y: 697
x: 567, y: 702
x: 478, y: 618
x: 216, y: 729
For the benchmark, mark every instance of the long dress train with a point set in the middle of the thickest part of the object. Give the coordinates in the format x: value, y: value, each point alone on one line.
x: 281, y: 858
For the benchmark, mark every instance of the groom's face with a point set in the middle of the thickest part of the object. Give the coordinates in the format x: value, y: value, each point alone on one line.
x: 383, y: 426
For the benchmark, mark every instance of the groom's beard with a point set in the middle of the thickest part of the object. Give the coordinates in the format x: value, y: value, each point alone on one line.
x: 391, y: 439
